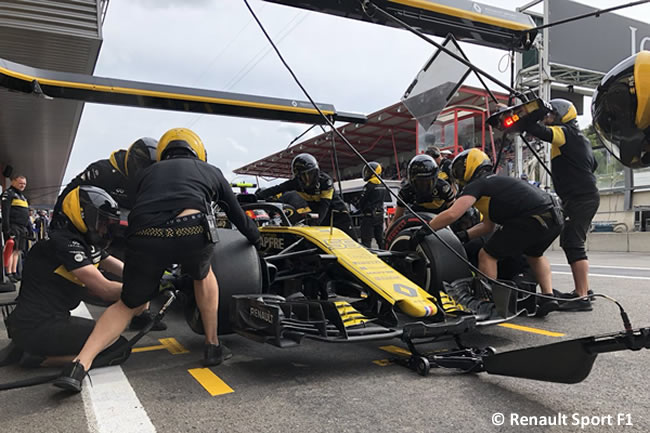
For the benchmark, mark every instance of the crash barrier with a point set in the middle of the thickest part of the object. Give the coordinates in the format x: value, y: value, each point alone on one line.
x: 631, y: 242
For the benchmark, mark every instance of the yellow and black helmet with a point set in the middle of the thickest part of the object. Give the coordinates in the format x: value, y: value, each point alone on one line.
x: 140, y: 155
x: 369, y: 174
x: 93, y: 212
x: 564, y: 110
x: 118, y: 160
x: 469, y: 165
x: 304, y: 168
x: 620, y: 110
x: 180, y: 142
x: 422, y: 173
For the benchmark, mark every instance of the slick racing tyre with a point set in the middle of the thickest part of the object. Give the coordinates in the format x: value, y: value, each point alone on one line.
x: 402, y: 223
x: 238, y: 269
x: 437, y: 263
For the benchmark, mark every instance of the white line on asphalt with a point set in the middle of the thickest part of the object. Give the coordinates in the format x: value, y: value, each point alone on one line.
x: 606, y: 276
x: 110, y: 403
x: 606, y: 266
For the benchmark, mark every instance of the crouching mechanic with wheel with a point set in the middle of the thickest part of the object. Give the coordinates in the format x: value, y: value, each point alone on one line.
x: 59, y: 273
x: 171, y: 222
x: 528, y: 219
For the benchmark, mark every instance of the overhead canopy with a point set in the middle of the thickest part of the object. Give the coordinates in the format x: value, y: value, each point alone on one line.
x: 48, y: 83
x: 469, y: 21
x: 36, y: 136
x: 387, y: 133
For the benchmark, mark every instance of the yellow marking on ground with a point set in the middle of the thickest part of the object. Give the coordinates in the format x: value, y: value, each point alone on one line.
x: 148, y: 348
x: 173, y: 346
x: 531, y: 330
x: 382, y: 362
x: 169, y: 344
x: 396, y: 350
x: 210, y: 381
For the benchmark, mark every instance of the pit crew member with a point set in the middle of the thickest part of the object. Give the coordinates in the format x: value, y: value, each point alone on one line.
x: 16, y: 224
x: 573, y: 165
x: 529, y: 221
x: 317, y: 189
x: 171, y: 222
x: 59, y: 273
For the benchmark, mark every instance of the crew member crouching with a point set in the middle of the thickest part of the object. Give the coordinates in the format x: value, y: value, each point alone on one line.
x: 59, y: 273
x: 528, y: 218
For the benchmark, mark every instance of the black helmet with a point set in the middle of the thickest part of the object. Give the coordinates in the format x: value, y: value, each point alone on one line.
x: 181, y: 141
x: 422, y: 174
x: 563, y: 110
x: 620, y: 110
x: 141, y: 154
x: 93, y: 212
x: 369, y: 174
x: 469, y: 165
x: 118, y: 160
x: 304, y: 167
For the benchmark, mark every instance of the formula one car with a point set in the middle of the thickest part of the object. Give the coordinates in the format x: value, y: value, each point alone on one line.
x: 318, y: 283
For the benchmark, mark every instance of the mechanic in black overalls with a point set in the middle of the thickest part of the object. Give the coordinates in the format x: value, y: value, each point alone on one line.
x: 113, y: 175
x: 529, y: 222
x: 425, y: 190
x: 16, y: 224
x: 444, y: 164
x: 371, y: 206
x: 168, y: 225
x: 60, y: 272
x: 317, y: 189
x: 573, y: 165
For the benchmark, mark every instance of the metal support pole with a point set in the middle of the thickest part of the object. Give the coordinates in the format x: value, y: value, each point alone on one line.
x: 545, y: 87
x: 392, y: 136
x: 336, y: 162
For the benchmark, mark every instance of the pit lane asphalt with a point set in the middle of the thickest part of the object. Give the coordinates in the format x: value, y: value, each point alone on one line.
x: 318, y: 387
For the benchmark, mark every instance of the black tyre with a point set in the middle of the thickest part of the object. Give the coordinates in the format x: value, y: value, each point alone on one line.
x: 402, y: 223
x: 438, y: 263
x: 237, y: 266
x: 422, y: 366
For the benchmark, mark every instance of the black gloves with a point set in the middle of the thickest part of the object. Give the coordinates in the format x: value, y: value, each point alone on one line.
x: 419, y: 236
x: 257, y: 244
x: 259, y: 194
x: 463, y: 237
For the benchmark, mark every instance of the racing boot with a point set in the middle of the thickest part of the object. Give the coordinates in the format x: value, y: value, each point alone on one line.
x: 215, y: 354
x: 572, y: 294
x: 71, y: 377
x: 140, y: 321
x: 545, y: 306
x: 574, y: 304
x: 10, y: 355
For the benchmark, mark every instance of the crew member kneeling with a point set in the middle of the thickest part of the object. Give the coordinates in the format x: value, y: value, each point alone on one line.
x: 529, y: 221
x: 62, y: 271
x: 168, y: 225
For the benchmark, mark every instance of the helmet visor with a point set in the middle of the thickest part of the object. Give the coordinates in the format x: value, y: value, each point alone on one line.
x: 308, y: 177
x: 104, y: 229
x: 424, y: 185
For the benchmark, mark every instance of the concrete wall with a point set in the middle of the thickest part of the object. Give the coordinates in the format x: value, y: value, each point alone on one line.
x: 615, y: 242
x: 611, y: 207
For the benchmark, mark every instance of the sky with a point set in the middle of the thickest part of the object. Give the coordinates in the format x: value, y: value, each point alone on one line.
x: 215, y: 44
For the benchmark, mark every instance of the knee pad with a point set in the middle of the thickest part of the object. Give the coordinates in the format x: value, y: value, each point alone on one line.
x: 575, y: 254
